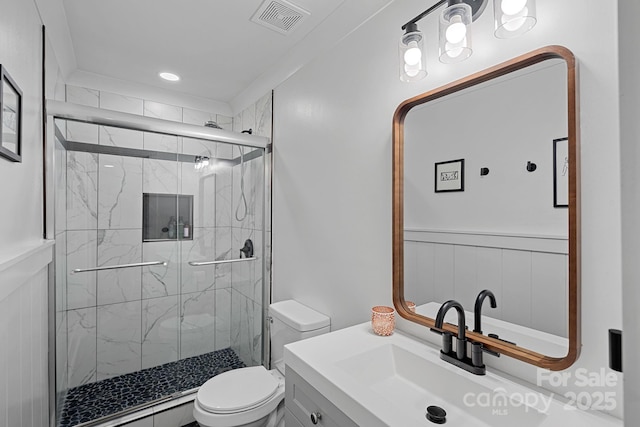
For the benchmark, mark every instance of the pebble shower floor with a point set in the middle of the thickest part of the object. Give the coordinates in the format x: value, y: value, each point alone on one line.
x: 92, y: 401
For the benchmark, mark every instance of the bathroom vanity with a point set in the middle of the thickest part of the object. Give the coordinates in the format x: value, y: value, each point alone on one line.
x: 353, y: 377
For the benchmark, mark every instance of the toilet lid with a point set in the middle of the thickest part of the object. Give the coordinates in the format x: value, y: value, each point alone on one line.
x: 237, y: 390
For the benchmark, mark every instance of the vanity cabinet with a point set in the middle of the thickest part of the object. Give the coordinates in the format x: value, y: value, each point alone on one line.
x: 307, y: 407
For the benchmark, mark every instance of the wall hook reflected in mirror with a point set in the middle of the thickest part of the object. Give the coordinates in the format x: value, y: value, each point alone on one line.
x: 531, y: 166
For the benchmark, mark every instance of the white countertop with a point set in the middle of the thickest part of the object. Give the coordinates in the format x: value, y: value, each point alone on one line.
x: 328, y: 363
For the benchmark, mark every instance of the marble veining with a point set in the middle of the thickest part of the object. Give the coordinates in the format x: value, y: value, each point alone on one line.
x: 159, y: 331
x: 224, y: 196
x: 81, y: 350
x: 82, y: 190
x: 243, y: 326
x: 122, y: 103
x: 264, y: 113
x: 197, y: 323
x: 201, y: 184
x: 118, y: 339
x: 243, y: 273
x: 119, y: 192
x: 223, y: 251
x: 118, y: 247
x: 81, y: 253
x: 121, y: 137
x: 160, y: 176
x: 201, y: 248
x: 223, y: 318
x: 154, y: 141
x: 160, y: 280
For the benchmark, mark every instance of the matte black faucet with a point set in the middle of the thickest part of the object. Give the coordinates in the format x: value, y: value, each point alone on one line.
x: 459, y: 358
x: 477, y: 309
x: 461, y: 344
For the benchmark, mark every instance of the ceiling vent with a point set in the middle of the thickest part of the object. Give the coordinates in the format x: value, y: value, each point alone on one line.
x: 280, y: 16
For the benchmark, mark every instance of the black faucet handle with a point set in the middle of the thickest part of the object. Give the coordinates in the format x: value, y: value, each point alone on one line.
x: 461, y: 348
x: 476, y: 354
x: 447, y: 340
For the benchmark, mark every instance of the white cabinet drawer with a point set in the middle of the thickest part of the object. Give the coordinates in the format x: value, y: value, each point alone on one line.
x: 304, y: 402
x: 290, y: 420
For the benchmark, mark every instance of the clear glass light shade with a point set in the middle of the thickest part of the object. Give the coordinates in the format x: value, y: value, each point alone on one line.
x: 412, y: 59
x: 455, y: 37
x: 513, y: 17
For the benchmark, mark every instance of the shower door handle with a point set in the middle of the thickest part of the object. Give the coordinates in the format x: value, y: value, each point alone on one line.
x: 224, y: 261
x: 113, y: 267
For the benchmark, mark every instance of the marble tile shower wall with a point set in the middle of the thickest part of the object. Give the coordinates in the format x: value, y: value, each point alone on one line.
x: 247, y: 305
x: 60, y: 180
x: 120, y: 321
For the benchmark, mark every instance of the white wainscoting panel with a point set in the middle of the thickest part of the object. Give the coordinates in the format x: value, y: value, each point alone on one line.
x: 24, y: 337
x: 527, y: 274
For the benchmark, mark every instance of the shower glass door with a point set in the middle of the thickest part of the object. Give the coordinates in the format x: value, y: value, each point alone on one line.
x: 160, y: 266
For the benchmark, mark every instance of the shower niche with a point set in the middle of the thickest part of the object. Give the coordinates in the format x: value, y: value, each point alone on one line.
x: 167, y: 217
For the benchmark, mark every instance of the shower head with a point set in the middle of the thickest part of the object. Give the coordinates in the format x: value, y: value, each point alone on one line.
x: 212, y: 124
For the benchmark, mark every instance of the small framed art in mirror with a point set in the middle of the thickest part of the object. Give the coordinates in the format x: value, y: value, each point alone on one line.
x: 10, y: 118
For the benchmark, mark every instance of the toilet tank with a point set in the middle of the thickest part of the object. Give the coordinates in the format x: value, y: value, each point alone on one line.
x: 290, y: 322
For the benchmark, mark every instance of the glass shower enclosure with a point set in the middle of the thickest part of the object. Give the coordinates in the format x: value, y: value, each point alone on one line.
x: 159, y: 266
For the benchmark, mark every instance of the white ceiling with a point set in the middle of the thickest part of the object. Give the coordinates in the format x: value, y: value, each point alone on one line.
x: 211, y: 44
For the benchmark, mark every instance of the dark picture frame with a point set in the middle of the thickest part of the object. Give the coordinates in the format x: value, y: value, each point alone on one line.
x: 449, y: 176
x: 10, y: 117
x: 561, y: 173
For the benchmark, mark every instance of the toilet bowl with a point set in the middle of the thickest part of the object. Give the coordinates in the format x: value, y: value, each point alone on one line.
x: 254, y: 396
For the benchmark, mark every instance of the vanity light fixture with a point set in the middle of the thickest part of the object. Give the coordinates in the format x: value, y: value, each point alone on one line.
x: 511, y: 17
x: 169, y: 76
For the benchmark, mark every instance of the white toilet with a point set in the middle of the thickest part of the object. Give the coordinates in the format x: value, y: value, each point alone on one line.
x: 253, y: 396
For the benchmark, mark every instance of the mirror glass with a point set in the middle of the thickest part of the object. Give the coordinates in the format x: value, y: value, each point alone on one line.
x: 9, y: 118
x: 486, y: 205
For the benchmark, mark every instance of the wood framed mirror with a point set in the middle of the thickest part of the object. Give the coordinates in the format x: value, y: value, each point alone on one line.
x: 503, y: 144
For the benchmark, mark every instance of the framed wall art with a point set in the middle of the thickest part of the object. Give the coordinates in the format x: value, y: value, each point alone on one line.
x: 449, y: 176
x: 10, y: 118
x: 561, y: 173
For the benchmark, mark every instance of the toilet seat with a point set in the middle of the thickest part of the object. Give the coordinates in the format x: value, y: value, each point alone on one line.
x: 237, y: 390
x: 228, y: 414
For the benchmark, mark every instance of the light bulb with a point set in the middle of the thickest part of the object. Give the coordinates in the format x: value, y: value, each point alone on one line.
x: 412, y: 70
x: 514, y: 24
x: 412, y: 55
x: 452, y: 51
x: 512, y: 7
x: 456, y: 31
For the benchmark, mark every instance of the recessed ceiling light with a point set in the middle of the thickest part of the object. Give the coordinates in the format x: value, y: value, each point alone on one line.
x: 170, y: 76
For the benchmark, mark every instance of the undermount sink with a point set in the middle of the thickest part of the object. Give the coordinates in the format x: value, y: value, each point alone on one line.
x: 390, y: 381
